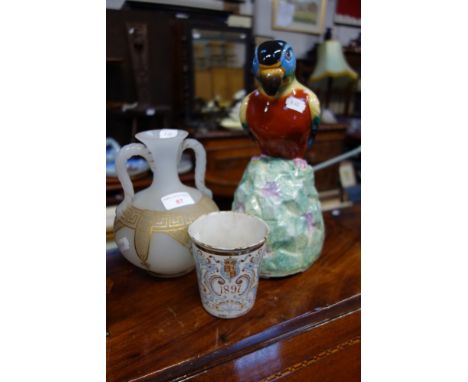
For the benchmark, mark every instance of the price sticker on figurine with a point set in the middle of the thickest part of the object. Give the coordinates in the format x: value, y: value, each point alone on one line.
x: 167, y: 133
x: 177, y: 199
x: 295, y: 104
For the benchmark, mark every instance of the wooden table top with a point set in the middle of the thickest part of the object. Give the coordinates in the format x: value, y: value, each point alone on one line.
x: 158, y: 329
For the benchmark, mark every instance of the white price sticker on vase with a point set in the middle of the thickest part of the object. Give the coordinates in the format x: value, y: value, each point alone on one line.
x: 167, y: 133
x: 177, y: 199
x: 295, y: 104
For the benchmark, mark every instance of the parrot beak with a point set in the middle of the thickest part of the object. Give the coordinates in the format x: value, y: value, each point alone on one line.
x: 271, y: 79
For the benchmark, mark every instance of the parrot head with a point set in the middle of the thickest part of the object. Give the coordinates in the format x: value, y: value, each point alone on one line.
x: 274, y: 64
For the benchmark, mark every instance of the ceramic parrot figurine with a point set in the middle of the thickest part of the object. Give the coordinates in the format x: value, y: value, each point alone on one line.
x: 282, y: 114
x: 278, y: 187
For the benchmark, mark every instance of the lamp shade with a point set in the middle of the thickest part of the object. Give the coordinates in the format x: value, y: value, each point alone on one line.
x: 331, y: 62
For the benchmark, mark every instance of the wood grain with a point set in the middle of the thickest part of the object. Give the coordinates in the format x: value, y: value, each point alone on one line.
x: 328, y: 352
x: 158, y: 329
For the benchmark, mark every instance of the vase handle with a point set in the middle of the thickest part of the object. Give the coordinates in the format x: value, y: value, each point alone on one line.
x: 125, y: 153
x: 200, y: 164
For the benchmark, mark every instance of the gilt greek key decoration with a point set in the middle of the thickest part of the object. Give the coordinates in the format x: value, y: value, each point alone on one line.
x: 173, y: 223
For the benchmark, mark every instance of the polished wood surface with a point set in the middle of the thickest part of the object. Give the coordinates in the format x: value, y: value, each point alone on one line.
x: 330, y: 352
x: 302, y: 327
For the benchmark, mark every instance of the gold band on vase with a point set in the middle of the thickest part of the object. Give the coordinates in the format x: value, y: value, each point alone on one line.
x: 172, y: 223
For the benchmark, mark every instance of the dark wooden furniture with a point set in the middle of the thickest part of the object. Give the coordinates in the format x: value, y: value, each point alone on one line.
x: 159, y: 52
x: 329, y: 143
x: 229, y: 153
x: 138, y: 68
x: 304, y: 327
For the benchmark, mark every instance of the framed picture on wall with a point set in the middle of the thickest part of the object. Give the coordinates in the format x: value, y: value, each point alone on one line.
x: 348, y: 12
x: 304, y: 16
